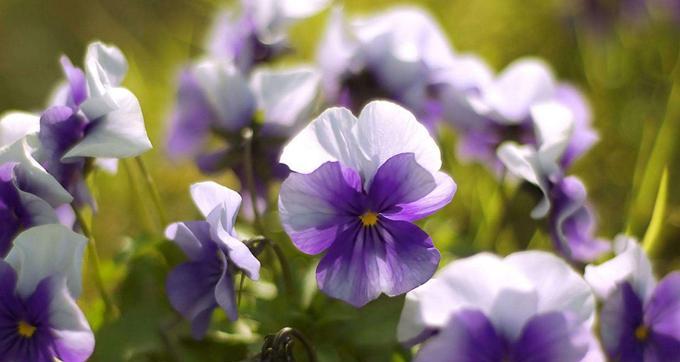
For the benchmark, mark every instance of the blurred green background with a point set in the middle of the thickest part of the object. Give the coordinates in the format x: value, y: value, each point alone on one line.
x: 626, y: 62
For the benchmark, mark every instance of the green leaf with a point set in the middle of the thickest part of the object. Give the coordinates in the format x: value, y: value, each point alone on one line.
x: 651, y: 239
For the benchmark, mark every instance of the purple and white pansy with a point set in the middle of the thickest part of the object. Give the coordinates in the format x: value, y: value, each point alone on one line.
x: 528, y: 306
x: 488, y: 110
x: 570, y: 218
x: 640, y: 317
x: 356, y: 187
x: 39, y: 281
x: 215, y: 100
x: 259, y: 32
x: 395, y: 55
x: 215, y: 255
x: 28, y: 193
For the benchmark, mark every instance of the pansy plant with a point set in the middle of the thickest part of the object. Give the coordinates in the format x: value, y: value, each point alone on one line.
x: 215, y: 254
x: 39, y: 282
x: 640, y: 316
x: 357, y: 186
x: 528, y: 306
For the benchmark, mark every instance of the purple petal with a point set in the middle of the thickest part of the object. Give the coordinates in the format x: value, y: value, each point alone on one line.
x: 621, y: 315
x: 225, y: 294
x: 190, y: 122
x: 193, y: 237
x: 553, y: 336
x: 583, y: 136
x: 572, y: 224
x: 76, y: 82
x: 392, y: 257
x: 662, y: 314
x: 400, y: 180
x: 316, y: 207
x: 469, y: 336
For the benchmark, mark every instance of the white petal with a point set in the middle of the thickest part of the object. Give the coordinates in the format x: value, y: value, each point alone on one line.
x: 523, y: 83
x: 554, y: 125
x: 237, y: 251
x: 105, y: 67
x: 37, y: 179
x: 209, y: 195
x: 227, y: 91
x: 46, y: 251
x: 299, y: 9
x: 523, y: 162
x: 119, y: 133
x: 327, y: 138
x: 386, y: 129
x: 473, y: 282
x: 286, y: 97
x: 631, y: 264
x: 69, y: 325
x: 559, y: 287
x: 16, y: 125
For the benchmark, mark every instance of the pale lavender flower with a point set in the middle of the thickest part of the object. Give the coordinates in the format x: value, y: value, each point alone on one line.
x: 206, y: 280
x: 39, y: 281
x: 528, y: 306
x: 564, y: 201
x: 395, y: 55
x: 259, y: 32
x: 356, y: 187
x: 640, y: 317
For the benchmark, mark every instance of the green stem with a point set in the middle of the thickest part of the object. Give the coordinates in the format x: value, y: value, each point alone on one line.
x: 280, y: 256
x: 250, y: 177
x: 153, y: 191
x: 109, y: 307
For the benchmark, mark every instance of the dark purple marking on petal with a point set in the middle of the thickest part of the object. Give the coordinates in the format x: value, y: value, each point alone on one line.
x: 620, y: 317
x: 553, y: 336
x: 76, y: 81
x: 662, y: 315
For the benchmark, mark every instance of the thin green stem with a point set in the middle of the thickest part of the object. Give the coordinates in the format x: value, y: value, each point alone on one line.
x: 280, y: 256
x: 153, y: 191
x: 250, y: 177
x: 109, y: 307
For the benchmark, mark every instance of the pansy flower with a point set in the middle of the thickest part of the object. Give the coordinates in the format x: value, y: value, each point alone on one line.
x: 570, y: 218
x: 357, y: 186
x: 39, y: 281
x: 215, y: 100
x: 395, y: 55
x: 91, y: 118
x: 215, y: 254
x: 528, y: 306
x: 258, y: 33
x: 28, y: 193
x: 488, y: 110
x: 640, y: 317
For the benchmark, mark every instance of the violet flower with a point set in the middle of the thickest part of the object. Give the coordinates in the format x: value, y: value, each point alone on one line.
x: 215, y: 253
x: 488, y: 110
x: 39, y: 281
x: 216, y: 101
x: 640, y: 317
x: 570, y: 217
x: 357, y: 187
x: 395, y: 55
x: 528, y: 306
x: 91, y: 118
x: 28, y: 193
x: 259, y: 32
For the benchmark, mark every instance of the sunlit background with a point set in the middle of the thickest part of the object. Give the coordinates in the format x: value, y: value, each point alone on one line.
x: 624, y: 55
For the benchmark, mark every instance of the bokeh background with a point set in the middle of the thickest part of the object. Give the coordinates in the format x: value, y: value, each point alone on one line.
x: 624, y: 55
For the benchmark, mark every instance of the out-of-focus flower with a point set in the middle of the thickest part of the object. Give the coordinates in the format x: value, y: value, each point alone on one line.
x: 357, y: 187
x: 28, y: 193
x: 215, y: 253
x: 488, y: 111
x: 640, y: 318
x: 91, y: 118
x: 216, y: 99
x: 396, y: 55
x: 571, y: 220
x: 528, y: 306
x: 39, y: 281
x: 258, y: 33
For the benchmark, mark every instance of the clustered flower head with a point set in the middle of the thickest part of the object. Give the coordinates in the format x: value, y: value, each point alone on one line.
x: 357, y: 186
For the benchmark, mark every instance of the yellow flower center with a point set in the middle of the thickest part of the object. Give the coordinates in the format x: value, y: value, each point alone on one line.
x: 369, y: 218
x: 641, y: 333
x: 25, y: 330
